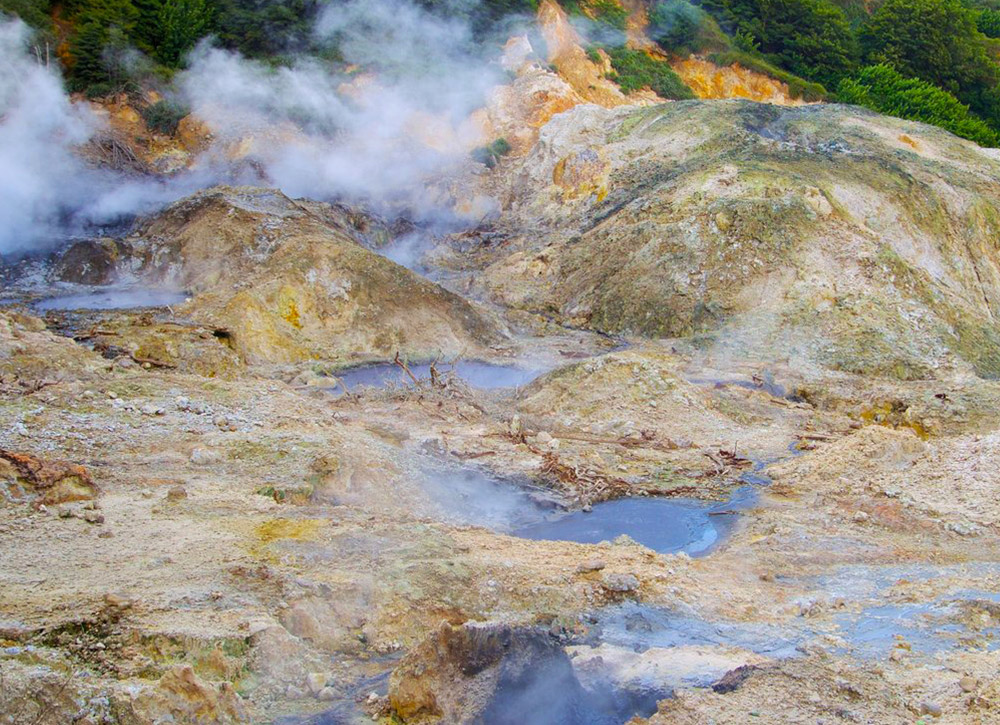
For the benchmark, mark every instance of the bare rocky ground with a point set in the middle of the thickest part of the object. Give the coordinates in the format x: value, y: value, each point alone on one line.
x: 200, y: 524
x: 260, y: 548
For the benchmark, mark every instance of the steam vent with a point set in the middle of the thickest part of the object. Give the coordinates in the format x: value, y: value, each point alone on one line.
x: 499, y: 362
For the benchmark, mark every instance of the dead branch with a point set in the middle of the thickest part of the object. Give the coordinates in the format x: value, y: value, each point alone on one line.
x: 405, y: 369
x: 95, y: 333
x: 347, y: 393
x: 435, y: 375
x: 719, y: 467
x: 117, y: 154
x: 471, y: 456
x: 151, y: 362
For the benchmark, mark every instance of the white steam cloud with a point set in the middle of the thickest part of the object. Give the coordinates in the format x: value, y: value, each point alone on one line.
x: 47, y: 191
x: 38, y: 129
x: 376, y: 136
x: 383, y: 132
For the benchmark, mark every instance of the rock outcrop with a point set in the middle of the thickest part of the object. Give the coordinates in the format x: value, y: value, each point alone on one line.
x: 708, y: 80
x: 824, y: 234
x: 483, y: 673
x: 291, y: 283
x: 23, y: 475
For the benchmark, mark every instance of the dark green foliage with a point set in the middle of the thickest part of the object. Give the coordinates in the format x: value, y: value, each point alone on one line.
x: 988, y: 23
x: 882, y: 88
x: 490, y: 155
x: 483, y: 16
x: 260, y: 28
x: 636, y: 69
x: 147, y: 32
x: 936, y: 41
x: 101, y: 43
x: 810, y: 38
x: 681, y: 28
x: 182, y: 23
x: 34, y: 12
x: 164, y: 116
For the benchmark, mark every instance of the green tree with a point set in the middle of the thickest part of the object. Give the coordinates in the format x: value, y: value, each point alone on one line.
x: 101, y: 42
x: 262, y: 28
x: 680, y: 27
x: 147, y: 34
x: 883, y: 89
x: 936, y: 41
x: 34, y: 12
x: 988, y: 23
x: 810, y: 38
x: 182, y: 23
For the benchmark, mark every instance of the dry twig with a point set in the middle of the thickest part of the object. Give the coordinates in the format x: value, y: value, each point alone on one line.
x: 405, y: 368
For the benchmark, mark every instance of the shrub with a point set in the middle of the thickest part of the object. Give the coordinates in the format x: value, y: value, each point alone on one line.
x: 681, y: 28
x: 988, y: 23
x: 99, y: 90
x: 636, y: 69
x: 490, y: 155
x: 746, y: 42
x: 883, y: 89
x: 164, y: 116
x: 610, y: 13
x: 938, y: 42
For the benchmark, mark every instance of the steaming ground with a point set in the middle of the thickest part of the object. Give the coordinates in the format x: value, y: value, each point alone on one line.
x: 384, y: 135
x: 196, y: 530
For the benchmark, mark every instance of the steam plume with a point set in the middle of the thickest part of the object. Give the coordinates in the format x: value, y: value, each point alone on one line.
x: 380, y: 133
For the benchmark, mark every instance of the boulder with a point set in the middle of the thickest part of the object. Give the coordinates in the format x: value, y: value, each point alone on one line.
x: 42, y: 481
x: 91, y: 262
x: 493, y: 673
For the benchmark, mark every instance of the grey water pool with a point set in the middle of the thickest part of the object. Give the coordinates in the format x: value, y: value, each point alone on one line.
x: 113, y: 298
x: 477, y: 374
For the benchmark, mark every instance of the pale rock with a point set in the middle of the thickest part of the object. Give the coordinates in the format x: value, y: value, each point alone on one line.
x: 620, y: 583
x: 316, y: 682
x: 204, y: 456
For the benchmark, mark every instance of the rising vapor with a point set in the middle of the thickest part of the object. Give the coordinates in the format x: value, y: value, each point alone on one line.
x: 379, y: 132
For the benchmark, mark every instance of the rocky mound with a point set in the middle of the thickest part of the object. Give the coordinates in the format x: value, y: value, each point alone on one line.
x: 819, y: 234
x: 484, y: 673
x: 292, y: 283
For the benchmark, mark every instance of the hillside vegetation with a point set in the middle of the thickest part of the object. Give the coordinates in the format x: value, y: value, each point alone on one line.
x: 936, y: 61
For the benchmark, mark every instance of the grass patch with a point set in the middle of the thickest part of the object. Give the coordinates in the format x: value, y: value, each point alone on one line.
x: 636, y: 69
x: 606, y: 12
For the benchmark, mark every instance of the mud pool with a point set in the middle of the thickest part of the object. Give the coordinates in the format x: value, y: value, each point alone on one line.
x: 477, y: 374
x: 470, y: 496
x: 664, y: 525
x: 113, y: 298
